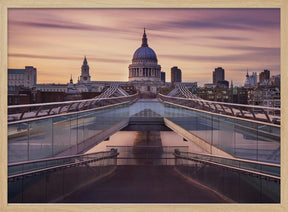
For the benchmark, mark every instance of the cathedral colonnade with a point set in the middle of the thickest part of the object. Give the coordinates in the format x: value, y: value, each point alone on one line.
x: 144, y: 72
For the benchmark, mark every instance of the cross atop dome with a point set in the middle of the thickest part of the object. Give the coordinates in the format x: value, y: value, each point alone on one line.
x: 144, y: 40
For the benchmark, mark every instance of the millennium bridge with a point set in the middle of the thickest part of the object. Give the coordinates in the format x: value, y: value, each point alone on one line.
x: 119, y: 148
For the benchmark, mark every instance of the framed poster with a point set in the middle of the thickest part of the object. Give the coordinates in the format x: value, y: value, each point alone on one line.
x: 89, y: 42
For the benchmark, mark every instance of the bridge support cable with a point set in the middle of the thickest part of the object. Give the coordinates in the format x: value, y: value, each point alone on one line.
x: 181, y: 90
x: 113, y: 90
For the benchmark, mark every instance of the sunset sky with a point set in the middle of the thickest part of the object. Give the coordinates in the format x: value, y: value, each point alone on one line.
x: 196, y: 40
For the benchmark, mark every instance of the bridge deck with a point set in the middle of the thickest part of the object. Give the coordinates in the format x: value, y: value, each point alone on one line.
x: 144, y: 184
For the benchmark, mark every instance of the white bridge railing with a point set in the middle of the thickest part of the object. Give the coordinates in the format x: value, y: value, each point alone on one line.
x: 259, y: 113
x: 20, y: 112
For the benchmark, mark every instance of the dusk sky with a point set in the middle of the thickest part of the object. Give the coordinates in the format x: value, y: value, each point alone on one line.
x: 196, y: 40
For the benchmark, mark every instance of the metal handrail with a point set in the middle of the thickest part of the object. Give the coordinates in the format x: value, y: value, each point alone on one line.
x: 229, y: 106
x: 21, y: 110
x: 109, y: 146
x: 113, y: 154
x: 235, y: 168
x: 60, y: 166
x: 67, y: 102
x: 54, y: 158
x: 70, y: 113
x: 177, y: 154
x: 235, y: 159
x: 227, y: 116
x: 221, y: 103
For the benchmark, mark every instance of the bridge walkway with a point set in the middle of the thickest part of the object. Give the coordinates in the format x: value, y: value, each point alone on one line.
x: 144, y: 184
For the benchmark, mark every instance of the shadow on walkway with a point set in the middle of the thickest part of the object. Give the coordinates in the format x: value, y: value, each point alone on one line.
x: 143, y: 184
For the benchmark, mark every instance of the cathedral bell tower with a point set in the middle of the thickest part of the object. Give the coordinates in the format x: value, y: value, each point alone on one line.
x: 85, y: 77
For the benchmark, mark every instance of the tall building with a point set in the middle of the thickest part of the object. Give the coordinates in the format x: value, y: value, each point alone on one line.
x: 264, y: 76
x: 218, y: 75
x: 163, y: 76
x: 26, y: 78
x: 251, y: 81
x: 176, y: 75
x: 85, y: 76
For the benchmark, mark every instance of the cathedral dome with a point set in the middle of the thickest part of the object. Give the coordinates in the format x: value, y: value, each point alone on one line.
x: 144, y: 53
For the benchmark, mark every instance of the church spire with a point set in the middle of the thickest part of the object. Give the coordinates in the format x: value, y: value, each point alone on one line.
x: 85, y: 77
x: 85, y: 60
x: 144, y: 39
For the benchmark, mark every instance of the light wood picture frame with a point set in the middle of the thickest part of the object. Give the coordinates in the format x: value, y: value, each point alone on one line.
x: 6, y: 4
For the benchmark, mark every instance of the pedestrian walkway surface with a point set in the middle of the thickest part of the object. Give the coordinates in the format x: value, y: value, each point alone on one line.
x: 143, y: 184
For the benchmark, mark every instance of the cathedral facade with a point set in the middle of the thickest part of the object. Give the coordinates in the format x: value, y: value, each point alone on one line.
x: 145, y: 72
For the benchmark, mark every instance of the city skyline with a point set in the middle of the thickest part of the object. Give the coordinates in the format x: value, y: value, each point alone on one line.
x: 55, y: 41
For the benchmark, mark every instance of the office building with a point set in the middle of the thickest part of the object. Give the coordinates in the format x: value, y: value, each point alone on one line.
x: 176, y: 75
x: 264, y: 76
x: 218, y: 75
x: 163, y: 76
